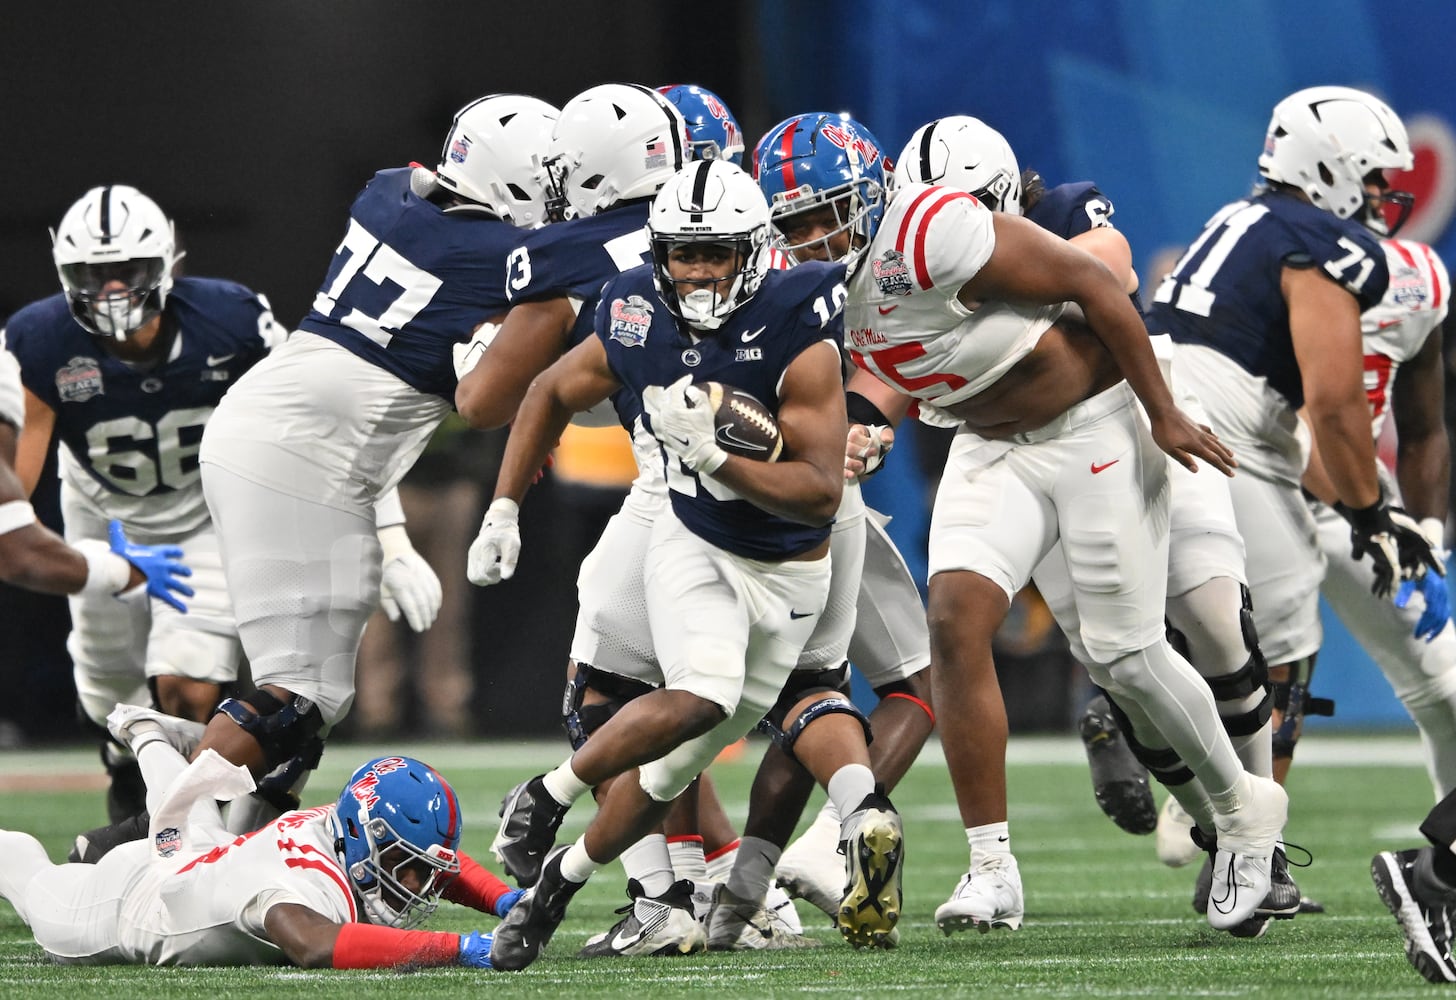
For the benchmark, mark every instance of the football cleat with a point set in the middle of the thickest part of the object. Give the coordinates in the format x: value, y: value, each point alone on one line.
x: 530, y: 818
x: 1175, y: 843
x: 874, y: 855
x: 93, y: 845
x: 1426, y: 923
x: 738, y: 924
x: 1119, y: 780
x: 1246, y: 841
x: 987, y: 897
x: 812, y: 869
x: 652, y: 925
x: 527, y: 929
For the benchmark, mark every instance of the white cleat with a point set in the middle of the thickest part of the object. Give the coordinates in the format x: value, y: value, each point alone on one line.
x: 652, y: 925
x: 134, y: 726
x: 737, y: 924
x: 812, y: 869
x: 987, y: 897
x: 1175, y: 836
x: 1246, y: 841
x: 780, y: 909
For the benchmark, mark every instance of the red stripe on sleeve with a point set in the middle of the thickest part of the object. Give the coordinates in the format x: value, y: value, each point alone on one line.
x: 922, y: 268
x: 1405, y: 254
x: 332, y: 872
x: 1440, y: 292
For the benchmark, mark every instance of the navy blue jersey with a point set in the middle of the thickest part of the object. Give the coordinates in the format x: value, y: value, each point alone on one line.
x: 577, y: 257
x: 134, y: 431
x: 1225, y: 292
x: 410, y: 280
x: 1071, y: 209
x: 792, y: 310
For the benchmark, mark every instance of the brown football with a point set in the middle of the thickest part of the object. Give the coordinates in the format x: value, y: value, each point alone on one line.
x: 744, y: 425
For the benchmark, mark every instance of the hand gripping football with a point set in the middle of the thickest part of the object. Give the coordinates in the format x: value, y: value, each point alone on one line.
x: 743, y: 425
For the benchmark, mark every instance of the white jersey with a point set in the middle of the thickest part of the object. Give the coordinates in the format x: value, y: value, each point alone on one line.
x: 903, y: 321
x: 209, y: 909
x: 12, y: 392
x: 1395, y: 329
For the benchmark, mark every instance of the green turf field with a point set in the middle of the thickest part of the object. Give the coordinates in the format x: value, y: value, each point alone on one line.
x: 1104, y: 919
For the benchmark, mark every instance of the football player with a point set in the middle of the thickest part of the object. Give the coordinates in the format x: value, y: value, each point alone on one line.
x: 338, y: 886
x: 125, y: 366
x: 1418, y: 886
x: 33, y: 557
x: 736, y: 570
x: 1207, y: 596
x: 943, y: 307
x: 310, y: 539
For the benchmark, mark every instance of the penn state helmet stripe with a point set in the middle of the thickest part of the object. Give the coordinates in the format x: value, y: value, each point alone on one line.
x: 925, y: 150
x: 677, y: 133
x: 700, y: 184
x: 106, y: 214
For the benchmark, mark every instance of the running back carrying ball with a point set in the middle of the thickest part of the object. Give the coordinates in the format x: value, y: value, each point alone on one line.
x: 744, y: 425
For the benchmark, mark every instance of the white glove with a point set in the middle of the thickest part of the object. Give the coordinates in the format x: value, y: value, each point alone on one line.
x: 495, y: 550
x: 865, y: 450
x: 468, y: 354
x: 683, y: 421
x: 409, y: 586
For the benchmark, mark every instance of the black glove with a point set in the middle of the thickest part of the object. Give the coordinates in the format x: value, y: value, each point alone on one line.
x: 1394, y: 542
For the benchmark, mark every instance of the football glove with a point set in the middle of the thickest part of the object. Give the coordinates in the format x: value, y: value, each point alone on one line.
x: 865, y: 452
x: 475, y: 950
x: 409, y: 586
x: 1395, y: 543
x: 160, y: 564
x: 467, y: 355
x: 1437, y: 597
x: 495, y: 550
x: 683, y: 421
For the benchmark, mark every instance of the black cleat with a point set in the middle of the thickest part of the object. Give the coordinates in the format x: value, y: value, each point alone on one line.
x: 528, y: 927
x: 530, y: 818
x: 1426, y: 923
x: 1119, y: 780
x: 93, y: 845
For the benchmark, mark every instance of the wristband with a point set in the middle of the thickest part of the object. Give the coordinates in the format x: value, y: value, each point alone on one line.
x: 393, y: 543
x: 15, y: 515
x: 106, y: 572
x: 862, y: 411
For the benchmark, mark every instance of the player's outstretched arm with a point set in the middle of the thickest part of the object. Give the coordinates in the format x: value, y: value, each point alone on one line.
x: 313, y: 941
x: 1423, y: 453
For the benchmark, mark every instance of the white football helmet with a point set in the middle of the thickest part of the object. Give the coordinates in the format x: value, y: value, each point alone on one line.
x: 965, y: 153
x: 709, y: 203
x: 114, y: 252
x: 495, y: 155
x: 612, y: 143
x: 1326, y: 140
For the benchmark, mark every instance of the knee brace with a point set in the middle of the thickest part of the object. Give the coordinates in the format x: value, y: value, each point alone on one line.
x: 788, y: 735
x: 1164, y: 764
x: 580, y: 720
x: 279, y: 787
x: 282, y: 729
x: 1292, y: 697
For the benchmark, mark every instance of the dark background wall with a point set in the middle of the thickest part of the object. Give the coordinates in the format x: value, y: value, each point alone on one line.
x: 254, y: 124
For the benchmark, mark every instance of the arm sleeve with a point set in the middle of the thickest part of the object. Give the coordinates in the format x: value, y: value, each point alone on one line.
x: 364, y: 946
x: 475, y: 887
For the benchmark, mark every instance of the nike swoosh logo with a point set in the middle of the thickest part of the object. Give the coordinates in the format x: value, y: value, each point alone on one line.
x: 754, y: 335
x: 796, y: 615
x: 622, y: 943
x: 1002, y: 839
x: 726, y: 435
x: 886, y: 310
x: 681, y: 440
x: 1101, y: 468
x: 219, y: 358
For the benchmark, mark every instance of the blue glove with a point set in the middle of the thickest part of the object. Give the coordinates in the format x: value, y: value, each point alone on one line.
x: 508, y: 900
x: 1438, y: 604
x: 475, y: 950
x: 161, y: 564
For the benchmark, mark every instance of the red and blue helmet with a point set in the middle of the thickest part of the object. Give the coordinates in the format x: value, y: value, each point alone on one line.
x: 713, y: 132
x: 396, y: 813
x: 819, y: 159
